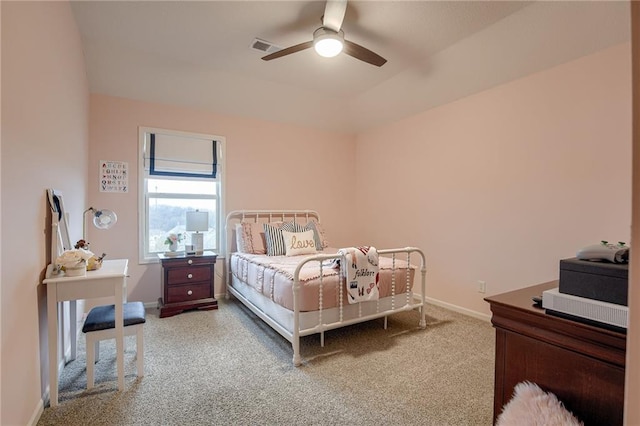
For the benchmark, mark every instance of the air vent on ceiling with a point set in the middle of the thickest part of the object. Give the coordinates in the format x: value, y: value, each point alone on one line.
x: 264, y: 46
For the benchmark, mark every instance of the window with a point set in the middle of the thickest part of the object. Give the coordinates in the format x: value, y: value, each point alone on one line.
x: 180, y: 172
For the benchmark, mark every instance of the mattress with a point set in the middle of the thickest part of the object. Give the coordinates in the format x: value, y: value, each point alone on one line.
x: 320, y: 283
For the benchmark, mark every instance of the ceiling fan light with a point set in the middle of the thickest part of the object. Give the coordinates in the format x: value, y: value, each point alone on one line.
x: 328, y: 43
x: 328, y: 47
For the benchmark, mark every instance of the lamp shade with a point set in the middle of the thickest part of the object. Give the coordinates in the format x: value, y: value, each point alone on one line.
x: 197, y: 221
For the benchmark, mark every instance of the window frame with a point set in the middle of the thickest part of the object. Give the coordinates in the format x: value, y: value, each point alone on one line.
x: 143, y: 174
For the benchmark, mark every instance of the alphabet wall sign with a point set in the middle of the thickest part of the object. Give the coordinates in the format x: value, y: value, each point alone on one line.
x: 114, y: 176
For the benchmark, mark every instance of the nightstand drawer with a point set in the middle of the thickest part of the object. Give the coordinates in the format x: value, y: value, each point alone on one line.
x: 186, y: 293
x: 189, y: 274
x: 185, y: 262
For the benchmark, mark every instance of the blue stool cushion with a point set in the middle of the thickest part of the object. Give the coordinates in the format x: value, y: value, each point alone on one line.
x: 103, y: 317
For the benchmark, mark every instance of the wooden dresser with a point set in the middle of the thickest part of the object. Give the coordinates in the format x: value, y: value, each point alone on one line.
x: 187, y: 283
x: 582, y: 365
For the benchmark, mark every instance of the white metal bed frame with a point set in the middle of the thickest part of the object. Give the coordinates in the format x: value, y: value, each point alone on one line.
x: 289, y: 323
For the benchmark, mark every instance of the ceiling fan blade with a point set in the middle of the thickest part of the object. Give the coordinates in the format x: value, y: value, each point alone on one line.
x: 334, y: 14
x: 359, y: 52
x: 288, y: 50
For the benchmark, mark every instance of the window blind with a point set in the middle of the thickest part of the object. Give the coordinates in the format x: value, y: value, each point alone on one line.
x: 171, y: 155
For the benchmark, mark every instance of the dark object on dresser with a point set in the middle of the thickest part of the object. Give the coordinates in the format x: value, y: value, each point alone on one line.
x: 604, y: 281
x: 187, y: 283
x: 583, y: 365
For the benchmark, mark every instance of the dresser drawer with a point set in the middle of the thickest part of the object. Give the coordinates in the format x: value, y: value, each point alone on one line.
x: 187, y: 293
x: 188, y: 274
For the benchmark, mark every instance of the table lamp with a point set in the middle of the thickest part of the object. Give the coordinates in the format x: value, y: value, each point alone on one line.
x: 197, y: 221
x: 102, y: 219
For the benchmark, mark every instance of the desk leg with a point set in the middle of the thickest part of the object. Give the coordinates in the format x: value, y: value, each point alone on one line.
x: 52, y: 320
x: 119, y: 318
x: 73, y: 332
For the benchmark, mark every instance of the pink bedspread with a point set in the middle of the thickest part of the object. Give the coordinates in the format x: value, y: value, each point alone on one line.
x: 272, y: 276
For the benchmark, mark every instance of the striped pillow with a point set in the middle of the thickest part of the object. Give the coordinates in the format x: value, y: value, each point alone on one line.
x: 274, y: 238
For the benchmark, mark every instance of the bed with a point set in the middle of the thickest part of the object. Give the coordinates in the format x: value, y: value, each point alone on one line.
x: 303, y: 291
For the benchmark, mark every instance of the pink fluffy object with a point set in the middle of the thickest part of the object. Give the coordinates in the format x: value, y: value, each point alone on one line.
x: 531, y: 406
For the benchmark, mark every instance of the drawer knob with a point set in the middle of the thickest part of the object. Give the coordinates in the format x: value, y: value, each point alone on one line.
x: 189, y: 261
x: 189, y: 292
x: 190, y: 276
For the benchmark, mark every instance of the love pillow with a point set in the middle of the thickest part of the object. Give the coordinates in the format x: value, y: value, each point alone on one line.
x: 297, y: 243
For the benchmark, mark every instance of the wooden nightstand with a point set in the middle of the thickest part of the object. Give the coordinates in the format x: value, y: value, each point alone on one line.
x: 187, y: 283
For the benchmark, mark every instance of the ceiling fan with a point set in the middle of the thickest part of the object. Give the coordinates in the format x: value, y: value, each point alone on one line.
x: 328, y: 40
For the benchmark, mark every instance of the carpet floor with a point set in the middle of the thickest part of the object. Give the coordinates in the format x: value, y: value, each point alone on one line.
x: 226, y: 366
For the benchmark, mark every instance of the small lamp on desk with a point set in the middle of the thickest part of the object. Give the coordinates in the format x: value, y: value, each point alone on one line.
x: 197, y: 222
x: 102, y: 219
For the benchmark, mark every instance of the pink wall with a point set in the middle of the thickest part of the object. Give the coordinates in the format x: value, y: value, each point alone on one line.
x: 501, y: 185
x: 45, y: 110
x: 269, y: 165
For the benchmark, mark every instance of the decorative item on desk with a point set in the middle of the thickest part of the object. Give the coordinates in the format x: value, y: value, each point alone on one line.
x: 197, y: 221
x: 93, y: 262
x: 82, y: 244
x: 173, y: 240
x: 102, y: 219
x: 74, y: 262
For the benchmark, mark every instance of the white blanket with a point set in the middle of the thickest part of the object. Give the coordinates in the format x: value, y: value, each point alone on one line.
x: 361, y: 273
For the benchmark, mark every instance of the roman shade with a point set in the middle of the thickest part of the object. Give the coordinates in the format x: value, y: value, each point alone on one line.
x: 188, y: 156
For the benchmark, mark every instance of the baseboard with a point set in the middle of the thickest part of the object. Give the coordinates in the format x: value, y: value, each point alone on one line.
x: 151, y: 305
x: 451, y: 307
x: 37, y: 413
x: 459, y: 309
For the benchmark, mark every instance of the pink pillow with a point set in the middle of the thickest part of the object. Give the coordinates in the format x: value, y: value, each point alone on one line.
x: 250, y: 238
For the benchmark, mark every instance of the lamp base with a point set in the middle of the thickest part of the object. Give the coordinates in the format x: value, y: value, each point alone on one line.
x: 197, y: 243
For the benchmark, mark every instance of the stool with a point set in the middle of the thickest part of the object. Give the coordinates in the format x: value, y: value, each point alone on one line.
x: 100, y: 325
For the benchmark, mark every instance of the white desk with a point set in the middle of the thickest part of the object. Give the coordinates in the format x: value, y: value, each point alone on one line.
x: 110, y: 280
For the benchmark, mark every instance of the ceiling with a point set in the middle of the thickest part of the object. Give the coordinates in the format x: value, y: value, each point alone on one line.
x: 198, y: 54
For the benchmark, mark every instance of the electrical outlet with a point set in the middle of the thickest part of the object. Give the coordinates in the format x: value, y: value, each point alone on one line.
x: 482, y: 286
